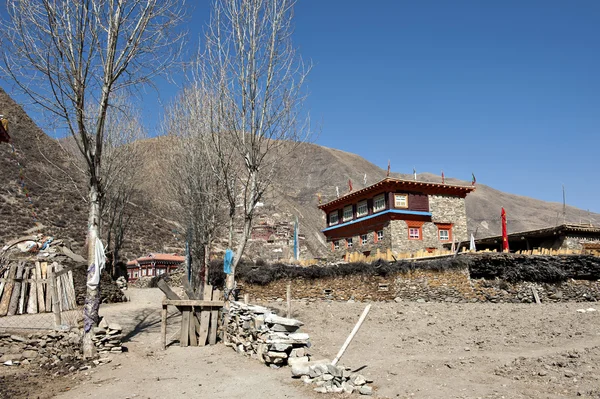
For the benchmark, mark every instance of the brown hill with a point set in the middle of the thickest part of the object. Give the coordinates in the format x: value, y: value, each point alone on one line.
x: 310, y: 170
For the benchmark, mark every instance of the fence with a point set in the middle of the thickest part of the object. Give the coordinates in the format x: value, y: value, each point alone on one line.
x: 37, y: 296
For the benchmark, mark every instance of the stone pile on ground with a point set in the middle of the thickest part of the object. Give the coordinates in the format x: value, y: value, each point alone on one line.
x: 331, y: 379
x: 257, y: 332
x: 107, y: 337
x: 121, y: 283
x: 47, y: 350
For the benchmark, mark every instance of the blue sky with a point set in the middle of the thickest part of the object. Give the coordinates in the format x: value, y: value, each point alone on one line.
x: 509, y: 90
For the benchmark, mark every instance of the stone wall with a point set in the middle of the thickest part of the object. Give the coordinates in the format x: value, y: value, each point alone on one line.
x: 450, y: 209
x: 426, y: 286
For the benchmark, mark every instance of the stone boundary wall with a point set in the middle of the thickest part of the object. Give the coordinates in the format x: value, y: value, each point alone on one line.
x: 426, y: 286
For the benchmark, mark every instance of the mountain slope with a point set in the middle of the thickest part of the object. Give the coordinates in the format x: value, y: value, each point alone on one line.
x: 309, y: 170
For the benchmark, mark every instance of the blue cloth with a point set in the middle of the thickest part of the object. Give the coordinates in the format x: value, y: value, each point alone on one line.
x: 227, y: 261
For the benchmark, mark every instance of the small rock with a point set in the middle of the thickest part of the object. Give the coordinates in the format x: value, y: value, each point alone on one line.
x: 365, y: 390
x: 569, y: 373
x: 543, y: 373
x: 320, y: 389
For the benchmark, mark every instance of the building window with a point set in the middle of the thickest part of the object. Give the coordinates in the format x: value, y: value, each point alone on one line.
x: 333, y: 218
x: 135, y: 274
x: 143, y: 272
x: 380, y: 235
x: 379, y: 203
x: 362, y: 209
x: 414, y: 233
x: 347, y: 213
x: 364, y: 239
x: 401, y: 201
x: 444, y: 235
x: 336, y: 244
x: 349, y: 242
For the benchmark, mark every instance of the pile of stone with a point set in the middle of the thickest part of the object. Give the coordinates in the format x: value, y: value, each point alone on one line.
x: 107, y: 337
x: 121, y: 283
x: 55, y: 348
x: 331, y: 379
x: 257, y: 332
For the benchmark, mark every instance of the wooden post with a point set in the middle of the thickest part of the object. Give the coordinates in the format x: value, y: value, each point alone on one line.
x: 163, y: 326
x: 55, y: 299
x: 288, y: 294
x: 352, y: 334
x: 214, y: 319
x: 246, y: 298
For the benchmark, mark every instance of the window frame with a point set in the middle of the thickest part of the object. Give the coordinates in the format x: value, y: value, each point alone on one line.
x: 364, y: 239
x: 351, y: 216
x: 336, y: 244
x: 445, y: 230
x: 419, y: 231
x: 375, y: 199
x: 380, y: 235
x: 359, y: 205
x: 400, y: 195
x: 337, y: 218
x: 349, y: 242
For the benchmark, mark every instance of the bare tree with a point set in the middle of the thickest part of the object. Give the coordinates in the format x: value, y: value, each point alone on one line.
x: 253, y: 69
x: 192, y: 176
x: 120, y: 166
x: 70, y: 57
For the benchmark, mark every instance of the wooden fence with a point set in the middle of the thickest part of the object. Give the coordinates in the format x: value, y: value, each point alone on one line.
x: 28, y: 288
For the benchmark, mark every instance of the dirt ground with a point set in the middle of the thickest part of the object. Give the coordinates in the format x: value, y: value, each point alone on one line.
x: 410, y: 350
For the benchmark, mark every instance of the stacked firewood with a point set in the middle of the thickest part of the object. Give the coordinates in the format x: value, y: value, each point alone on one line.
x: 257, y: 332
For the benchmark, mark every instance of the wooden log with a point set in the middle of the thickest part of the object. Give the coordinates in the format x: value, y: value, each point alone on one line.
x: 185, y: 328
x: 41, y: 302
x: 205, y: 317
x: 32, y: 303
x: 214, y: 319
x: 352, y: 334
x: 24, y: 291
x: 52, y: 288
x: 56, y: 268
x: 16, y: 293
x: 163, y: 326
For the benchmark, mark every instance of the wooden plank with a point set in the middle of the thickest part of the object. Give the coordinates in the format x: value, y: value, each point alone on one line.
x: 164, y: 287
x: 185, y: 328
x: 163, y: 326
x: 52, y: 288
x: 72, y: 294
x: 204, y: 317
x: 24, y: 289
x: 15, y: 296
x: 32, y: 303
x: 214, y: 319
x: 535, y: 295
x: 40, y: 289
x: 58, y: 282
x: 48, y: 300
x: 193, y: 302
x: 72, y: 255
x: 192, y: 330
x: 2, y: 281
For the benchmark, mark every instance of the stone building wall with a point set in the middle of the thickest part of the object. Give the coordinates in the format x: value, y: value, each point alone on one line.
x: 370, y: 246
x: 402, y: 244
x: 449, y: 209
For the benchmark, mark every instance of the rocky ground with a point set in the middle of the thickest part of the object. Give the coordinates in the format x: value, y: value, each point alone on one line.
x: 409, y: 350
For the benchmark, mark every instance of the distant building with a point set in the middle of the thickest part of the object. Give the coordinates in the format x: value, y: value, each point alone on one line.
x: 153, y: 265
x: 401, y: 215
x: 575, y: 237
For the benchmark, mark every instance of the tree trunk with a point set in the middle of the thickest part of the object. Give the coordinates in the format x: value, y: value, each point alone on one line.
x: 92, y: 298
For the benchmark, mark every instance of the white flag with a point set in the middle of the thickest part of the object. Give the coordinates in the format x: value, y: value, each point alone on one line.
x: 337, y: 191
x: 472, y: 244
x: 365, y: 179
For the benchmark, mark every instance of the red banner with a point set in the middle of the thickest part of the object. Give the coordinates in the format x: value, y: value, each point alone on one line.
x: 504, y: 232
